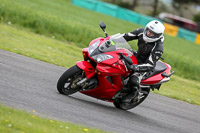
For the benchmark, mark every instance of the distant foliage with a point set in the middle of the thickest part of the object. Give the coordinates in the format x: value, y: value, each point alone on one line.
x: 124, y: 4
x: 196, y: 17
x: 186, y: 1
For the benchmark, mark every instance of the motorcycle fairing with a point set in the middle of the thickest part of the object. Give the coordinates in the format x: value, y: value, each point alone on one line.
x: 110, y: 71
x: 87, y: 68
x: 109, y: 87
x: 156, y: 78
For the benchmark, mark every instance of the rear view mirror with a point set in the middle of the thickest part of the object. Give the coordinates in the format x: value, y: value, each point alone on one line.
x: 102, y: 25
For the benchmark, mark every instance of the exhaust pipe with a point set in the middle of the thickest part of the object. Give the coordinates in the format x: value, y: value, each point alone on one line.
x: 163, y: 80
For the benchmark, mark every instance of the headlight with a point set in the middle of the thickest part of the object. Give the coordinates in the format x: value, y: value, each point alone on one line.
x: 93, y: 47
x: 101, y: 57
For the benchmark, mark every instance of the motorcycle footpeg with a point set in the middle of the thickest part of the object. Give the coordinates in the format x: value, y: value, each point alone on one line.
x: 144, y: 92
x: 117, y: 95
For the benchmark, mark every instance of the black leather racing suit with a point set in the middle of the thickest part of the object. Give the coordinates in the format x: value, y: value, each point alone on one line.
x: 147, y: 55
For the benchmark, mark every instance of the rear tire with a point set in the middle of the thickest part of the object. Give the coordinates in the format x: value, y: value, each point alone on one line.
x: 67, y: 82
x: 126, y: 106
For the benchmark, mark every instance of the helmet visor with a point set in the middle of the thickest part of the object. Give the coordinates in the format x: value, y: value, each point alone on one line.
x: 150, y: 34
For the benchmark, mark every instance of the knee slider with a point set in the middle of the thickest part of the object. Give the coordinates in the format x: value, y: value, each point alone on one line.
x: 134, y: 80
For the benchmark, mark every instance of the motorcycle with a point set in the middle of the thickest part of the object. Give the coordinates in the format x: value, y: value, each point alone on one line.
x: 105, y: 71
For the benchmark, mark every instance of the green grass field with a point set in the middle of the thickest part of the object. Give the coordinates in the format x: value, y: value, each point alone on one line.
x: 39, y: 47
x: 54, y: 51
x: 15, y: 121
x: 55, y: 31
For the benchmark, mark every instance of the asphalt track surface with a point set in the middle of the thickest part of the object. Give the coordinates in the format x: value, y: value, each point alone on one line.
x: 29, y: 84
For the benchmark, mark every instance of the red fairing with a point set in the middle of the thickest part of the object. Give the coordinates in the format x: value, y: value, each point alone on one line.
x: 85, y: 53
x: 93, y: 41
x: 115, y: 54
x: 105, y: 90
x: 101, y: 40
x: 156, y: 78
x: 113, y: 69
x: 87, y: 68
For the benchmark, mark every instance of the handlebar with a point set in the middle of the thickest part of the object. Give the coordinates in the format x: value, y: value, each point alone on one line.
x: 127, y: 59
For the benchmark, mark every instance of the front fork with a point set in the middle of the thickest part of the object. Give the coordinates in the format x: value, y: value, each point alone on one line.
x: 88, y: 70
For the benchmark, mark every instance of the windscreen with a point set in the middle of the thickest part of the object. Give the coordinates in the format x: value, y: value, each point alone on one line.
x: 115, y: 42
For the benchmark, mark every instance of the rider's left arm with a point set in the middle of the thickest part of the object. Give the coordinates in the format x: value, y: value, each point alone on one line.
x: 133, y: 35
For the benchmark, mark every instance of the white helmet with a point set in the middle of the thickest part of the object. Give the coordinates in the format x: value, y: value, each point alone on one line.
x: 156, y: 28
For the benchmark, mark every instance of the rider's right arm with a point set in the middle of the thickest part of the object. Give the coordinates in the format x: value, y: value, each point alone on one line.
x: 133, y: 35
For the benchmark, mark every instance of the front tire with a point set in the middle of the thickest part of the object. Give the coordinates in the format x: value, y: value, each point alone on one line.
x: 67, y: 82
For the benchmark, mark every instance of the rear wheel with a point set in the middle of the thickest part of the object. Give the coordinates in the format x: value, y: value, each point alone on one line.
x: 67, y: 83
x: 126, y: 106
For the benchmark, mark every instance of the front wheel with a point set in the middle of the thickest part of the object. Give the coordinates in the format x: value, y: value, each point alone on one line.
x: 126, y: 106
x: 67, y: 83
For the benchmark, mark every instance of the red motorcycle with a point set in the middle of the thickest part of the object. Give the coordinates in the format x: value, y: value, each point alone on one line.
x: 105, y: 71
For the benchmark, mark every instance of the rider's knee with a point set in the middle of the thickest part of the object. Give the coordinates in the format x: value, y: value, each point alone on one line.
x: 134, y: 80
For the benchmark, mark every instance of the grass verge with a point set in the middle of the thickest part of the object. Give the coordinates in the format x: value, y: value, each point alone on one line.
x: 15, y: 121
x: 181, y: 89
x: 39, y: 47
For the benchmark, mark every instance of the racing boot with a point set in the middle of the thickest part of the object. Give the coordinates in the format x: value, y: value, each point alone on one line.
x: 128, y: 98
x: 125, y: 89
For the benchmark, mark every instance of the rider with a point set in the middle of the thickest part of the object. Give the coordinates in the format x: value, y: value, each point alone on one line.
x: 150, y: 50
